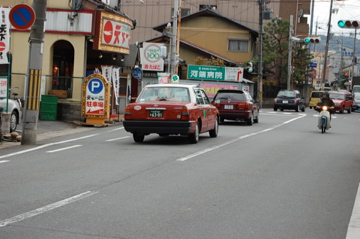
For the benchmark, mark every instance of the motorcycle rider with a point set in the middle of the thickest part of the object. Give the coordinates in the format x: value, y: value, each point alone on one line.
x: 326, y: 101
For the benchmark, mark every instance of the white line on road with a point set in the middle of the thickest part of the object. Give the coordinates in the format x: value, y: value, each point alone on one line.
x: 4, y: 161
x: 353, y: 231
x: 236, y: 139
x: 57, y: 150
x: 116, y: 129
x: 109, y: 140
x: 45, y: 145
x: 49, y: 207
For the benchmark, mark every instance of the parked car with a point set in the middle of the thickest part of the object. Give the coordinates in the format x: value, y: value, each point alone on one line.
x: 171, y: 109
x: 289, y: 99
x: 315, y: 96
x: 356, y: 102
x: 14, y: 108
x: 343, y: 101
x: 236, y: 105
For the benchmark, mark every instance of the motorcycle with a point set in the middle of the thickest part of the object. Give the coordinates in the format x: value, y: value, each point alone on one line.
x: 324, y: 118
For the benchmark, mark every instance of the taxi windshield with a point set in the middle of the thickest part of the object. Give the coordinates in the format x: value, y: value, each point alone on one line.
x: 164, y: 94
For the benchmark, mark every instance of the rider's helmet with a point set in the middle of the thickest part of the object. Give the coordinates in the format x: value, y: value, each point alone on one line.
x: 326, y: 93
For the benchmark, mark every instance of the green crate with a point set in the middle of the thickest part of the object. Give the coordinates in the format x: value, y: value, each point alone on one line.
x: 48, y: 116
x: 48, y: 107
x: 49, y: 98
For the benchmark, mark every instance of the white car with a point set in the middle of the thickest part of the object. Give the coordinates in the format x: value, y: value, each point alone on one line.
x: 14, y: 108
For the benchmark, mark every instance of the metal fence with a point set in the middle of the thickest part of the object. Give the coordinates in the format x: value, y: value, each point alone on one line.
x: 63, y: 87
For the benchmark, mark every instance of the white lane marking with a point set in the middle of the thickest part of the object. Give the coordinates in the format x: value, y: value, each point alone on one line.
x: 116, y: 129
x: 70, y: 147
x: 109, y: 140
x: 353, y: 230
x: 45, y: 145
x: 49, y: 207
x: 236, y: 139
x: 333, y: 117
x: 4, y: 161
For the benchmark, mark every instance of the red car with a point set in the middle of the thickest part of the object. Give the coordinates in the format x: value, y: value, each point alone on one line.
x: 236, y: 105
x: 343, y: 101
x: 171, y: 109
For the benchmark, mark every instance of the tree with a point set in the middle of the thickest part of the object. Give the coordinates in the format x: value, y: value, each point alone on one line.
x: 275, y: 49
x: 275, y: 53
x: 209, y: 62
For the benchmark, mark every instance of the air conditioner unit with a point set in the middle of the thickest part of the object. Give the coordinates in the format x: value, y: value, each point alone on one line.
x: 267, y: 14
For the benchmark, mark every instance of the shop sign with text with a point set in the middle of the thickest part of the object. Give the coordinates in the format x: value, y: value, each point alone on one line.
x: 112, y: 33
x: 4, y: 35
x: 196, y: 72
x: 151, y: 59
x: 96, y: 94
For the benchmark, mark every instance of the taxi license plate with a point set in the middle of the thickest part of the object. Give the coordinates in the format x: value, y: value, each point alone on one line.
x: 228, y: 107
x: 285, y: 101
x: 155, y: 113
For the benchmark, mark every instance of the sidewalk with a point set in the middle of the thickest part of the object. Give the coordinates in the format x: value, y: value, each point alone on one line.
x: 50, y: 129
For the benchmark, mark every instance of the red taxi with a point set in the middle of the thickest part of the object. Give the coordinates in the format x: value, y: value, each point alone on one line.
x: 171, y: 109
x: 343, y: 101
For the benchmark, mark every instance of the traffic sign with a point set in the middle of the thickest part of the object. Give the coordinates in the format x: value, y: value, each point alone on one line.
x: 175, y: 79
x: 137, y: 73
x: 22, y: 16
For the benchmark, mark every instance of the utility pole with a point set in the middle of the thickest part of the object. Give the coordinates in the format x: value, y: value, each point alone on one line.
x: 178, y: 36
x: 327, y: 45
x: 260, y: 68
x: 353, y: 59
x: 174, y: 39
x: 33, y: 77
x: 290, y: 53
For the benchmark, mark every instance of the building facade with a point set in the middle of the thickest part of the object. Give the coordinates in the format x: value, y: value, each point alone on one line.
x: 80, y: 38
x: 150, y: 13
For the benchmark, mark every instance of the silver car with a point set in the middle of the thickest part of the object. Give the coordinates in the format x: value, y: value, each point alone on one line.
x: 14, y: 108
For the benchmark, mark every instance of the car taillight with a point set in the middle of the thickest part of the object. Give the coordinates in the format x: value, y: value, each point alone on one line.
x: 185, y: 115
x: 215, y: 104
x: 127, y: 114
x: 296, y: 101
x: 245, y: 106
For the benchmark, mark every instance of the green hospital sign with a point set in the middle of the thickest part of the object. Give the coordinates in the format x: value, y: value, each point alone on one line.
x: 206, y: 72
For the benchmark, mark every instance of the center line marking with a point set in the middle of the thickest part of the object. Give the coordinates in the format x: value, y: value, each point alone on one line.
x: 109, y: 140
x: 49, y: 207
x: 57, y: 150
x: 235, y: 140
x: 45, y: 145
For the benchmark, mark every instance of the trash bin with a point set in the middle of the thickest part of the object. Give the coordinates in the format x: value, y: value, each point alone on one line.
x: 48, y: 107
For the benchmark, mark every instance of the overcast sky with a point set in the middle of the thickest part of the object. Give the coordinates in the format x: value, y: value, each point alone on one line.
x: 343, y: 10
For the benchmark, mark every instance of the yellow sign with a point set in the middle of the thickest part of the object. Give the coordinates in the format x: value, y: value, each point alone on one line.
x: 96, y: 99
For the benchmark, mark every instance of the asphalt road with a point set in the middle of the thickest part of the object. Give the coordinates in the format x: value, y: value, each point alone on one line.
x: 280, y: 178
